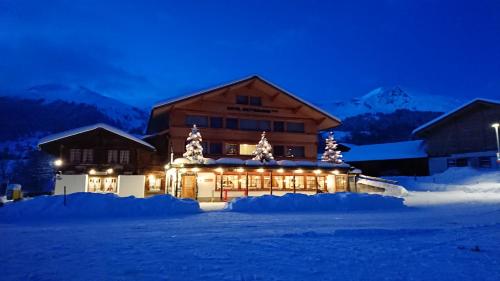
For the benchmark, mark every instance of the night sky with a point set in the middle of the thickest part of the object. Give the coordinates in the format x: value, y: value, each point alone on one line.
x: 144, y: 51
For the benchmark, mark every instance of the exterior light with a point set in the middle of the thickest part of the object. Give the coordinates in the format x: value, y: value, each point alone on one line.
x: 299, y: 171
x: 335, y: 172
x: 92, y: 172
x: 109, y: 171
x: 317, y: 172
x: 195, y: 169
x: 280, y: 170
x: 58, y: 163
x: 219, y: 170
x: 240, y: 170
x: 495, y: 126
x: 167, y: 167
x: 260, y: 170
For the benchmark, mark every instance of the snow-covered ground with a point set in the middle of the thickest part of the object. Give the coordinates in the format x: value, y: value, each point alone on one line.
x: 445, y: 235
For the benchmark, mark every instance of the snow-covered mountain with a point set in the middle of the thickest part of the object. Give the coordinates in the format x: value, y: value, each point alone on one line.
x: 126, y: 116
x: 387, y: 100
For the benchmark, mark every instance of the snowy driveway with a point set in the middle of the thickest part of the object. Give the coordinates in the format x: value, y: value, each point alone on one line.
x: 426, y: 243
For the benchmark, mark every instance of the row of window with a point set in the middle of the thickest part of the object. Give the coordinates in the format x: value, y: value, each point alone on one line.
x: 244, y: 124
x: 481, y: 162
x: 247, y: 149
x: 238, y: 182
x: 86, y: 156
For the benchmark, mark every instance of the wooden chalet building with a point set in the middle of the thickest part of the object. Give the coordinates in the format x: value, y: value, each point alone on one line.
x: 462, y: 137
x: 231, y: 119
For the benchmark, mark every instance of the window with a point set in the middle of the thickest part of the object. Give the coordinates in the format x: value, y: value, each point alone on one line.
x: 279, y: 126
x: 242, y: 99
x: 311, y: 182
x: 232, y: 123
x: 279, y: 150
x: 87, y: 156
x: 247, y: 149
x: 257, y: 101
x: 75, y: 155
x: 154, y: 183
x: 295, y: 127
x: 231, y: 149
x: 462, y: 162
x: 228, y: 182
x: 255, y: 125
x: 215, y: 148
x: 254, y: 182
x: 200, y: 121
x: 112, y: 156
x: 296, y: 151
x: 278, y: 182
x: 485, y: 162
x: 215, y: 122
x: 124, y: 156
x: 451, y: 162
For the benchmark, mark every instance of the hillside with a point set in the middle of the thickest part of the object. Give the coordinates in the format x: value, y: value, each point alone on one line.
x: 388, y: 100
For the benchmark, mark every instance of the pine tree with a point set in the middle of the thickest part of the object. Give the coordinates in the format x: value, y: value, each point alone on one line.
x: 194, y: 150
x: 331, y: 153
x: 263, y: 150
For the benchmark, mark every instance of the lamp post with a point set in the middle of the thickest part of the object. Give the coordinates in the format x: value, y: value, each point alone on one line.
x: 495, y: 126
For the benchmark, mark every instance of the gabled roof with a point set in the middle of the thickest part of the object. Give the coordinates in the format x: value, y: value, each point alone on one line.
x: 243, y: 80
x: 453, y: 112
x: 73, y: 132
x: 386, y: 151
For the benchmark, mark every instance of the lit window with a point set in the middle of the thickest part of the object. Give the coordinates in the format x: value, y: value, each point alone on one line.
x: 124, y: 156
x: 154, y: 183
x: 247, y: 149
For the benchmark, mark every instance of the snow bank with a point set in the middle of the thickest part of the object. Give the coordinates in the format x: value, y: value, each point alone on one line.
x: 315, y: 203
x: 389, y: 189
x: 94, y: 205
x: 464, y: 179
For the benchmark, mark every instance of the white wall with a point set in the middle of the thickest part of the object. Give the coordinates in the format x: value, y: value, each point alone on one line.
x: 73, y: 183
x: 206, y: 186
x: 131, y: 185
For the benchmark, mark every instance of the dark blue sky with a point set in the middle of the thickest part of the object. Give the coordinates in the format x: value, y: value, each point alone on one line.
x: 149, y: 51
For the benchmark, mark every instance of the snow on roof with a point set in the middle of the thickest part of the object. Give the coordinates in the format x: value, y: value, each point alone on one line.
x: 386, y: 151
x: 441, y: 117
x: 180, y: 98
x: 85, y: 129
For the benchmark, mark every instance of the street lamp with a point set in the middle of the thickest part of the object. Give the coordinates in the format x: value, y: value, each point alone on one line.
x: 495, y: 126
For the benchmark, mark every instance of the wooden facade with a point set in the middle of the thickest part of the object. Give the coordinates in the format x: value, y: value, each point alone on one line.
x: 465, y: 130
x: 232, y: 117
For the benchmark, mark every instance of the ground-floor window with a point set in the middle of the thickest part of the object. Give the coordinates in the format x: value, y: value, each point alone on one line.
x: 154, y: 183
x: 484, y: 162
x: 103, y: 184
x: 263, y: 182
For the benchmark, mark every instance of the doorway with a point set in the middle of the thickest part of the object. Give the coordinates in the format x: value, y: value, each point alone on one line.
x: 188, y: 186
